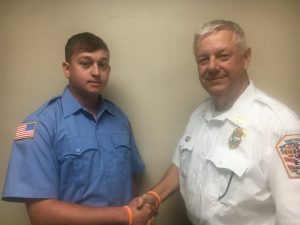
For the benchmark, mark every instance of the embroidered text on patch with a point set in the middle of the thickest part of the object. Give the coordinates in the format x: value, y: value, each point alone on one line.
x: 25, y: 130
x: 289, y: 150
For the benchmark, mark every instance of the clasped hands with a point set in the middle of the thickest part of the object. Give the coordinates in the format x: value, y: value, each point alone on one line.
x: 144, y: 208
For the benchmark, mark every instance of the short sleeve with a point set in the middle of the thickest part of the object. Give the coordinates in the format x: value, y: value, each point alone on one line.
x: 284, y: 170
x: 32, y: 170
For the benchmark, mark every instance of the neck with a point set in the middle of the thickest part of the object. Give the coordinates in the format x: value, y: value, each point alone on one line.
x: 89, y: 102
x: 225, y: 102
x: 91, y: 107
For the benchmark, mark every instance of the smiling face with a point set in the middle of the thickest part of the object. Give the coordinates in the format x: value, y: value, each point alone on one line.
x: 221, y: 65
x: 88, y: 73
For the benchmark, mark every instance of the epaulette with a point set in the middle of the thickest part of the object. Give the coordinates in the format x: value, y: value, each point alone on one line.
x: 46, y: 104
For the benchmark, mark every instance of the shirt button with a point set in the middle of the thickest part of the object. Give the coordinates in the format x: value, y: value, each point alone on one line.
x: 77, y: 149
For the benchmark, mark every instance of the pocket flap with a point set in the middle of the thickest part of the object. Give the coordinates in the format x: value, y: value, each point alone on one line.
x: 231, y: 160
x: 121, y: 140
x: 74, y: 146
x: 187, y: 142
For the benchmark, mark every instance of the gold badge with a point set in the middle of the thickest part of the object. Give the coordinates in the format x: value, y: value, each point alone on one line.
x: 236, y: 137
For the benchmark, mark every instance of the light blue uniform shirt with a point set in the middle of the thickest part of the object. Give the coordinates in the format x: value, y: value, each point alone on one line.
x: 73, y: 157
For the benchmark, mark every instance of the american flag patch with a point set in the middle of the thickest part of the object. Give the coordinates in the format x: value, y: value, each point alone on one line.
x: 25, y: 130
x: 289, y: 151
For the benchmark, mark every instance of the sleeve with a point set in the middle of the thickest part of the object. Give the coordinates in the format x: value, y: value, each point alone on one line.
x: 137, y: 162
x: 176, y: 155
x: 284, y: 170
x: 32, y: 167
x: 186, y: 138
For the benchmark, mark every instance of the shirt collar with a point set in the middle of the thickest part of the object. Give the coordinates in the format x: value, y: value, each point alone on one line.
x: 71, y: 105
x: 239, y: 111
x: 103, y: 107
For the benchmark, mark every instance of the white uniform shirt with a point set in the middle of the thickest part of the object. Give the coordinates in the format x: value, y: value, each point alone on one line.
x: 255, y: 182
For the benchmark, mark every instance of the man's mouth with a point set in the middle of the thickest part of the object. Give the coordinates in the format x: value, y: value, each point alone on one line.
x: 94, y: 82
x: 211, y: 77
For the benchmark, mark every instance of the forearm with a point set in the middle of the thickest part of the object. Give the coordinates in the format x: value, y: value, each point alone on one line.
x: 169, y: 183
x: 54, y: 212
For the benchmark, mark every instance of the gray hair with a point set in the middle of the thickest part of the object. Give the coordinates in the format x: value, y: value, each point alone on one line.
x: 216, y: 25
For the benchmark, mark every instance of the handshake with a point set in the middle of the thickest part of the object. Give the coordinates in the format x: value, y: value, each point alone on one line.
x: 143, y: 209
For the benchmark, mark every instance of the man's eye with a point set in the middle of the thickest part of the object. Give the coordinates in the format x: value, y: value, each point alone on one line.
x: 84, y: 64
x: 202, y: 61
x: 103, y: 66
x: 224, y: 57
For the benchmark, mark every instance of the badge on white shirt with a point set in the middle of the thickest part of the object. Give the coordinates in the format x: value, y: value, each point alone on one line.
x: 236, y: 137
x: 289, y: 151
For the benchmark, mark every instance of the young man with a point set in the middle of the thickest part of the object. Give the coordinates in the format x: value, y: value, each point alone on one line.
x: 74, y: 160
x: 238, y: 162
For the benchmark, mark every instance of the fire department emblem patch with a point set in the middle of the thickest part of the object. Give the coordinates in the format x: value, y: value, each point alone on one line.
x: 289, y: 151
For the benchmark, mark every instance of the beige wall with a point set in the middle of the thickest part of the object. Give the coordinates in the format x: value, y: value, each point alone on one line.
x: 153, y: 78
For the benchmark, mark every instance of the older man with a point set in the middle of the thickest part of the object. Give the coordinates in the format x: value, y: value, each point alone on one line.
x: 238, y: 161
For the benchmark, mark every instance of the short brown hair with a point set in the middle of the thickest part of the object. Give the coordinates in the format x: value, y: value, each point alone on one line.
x: 83, y: 42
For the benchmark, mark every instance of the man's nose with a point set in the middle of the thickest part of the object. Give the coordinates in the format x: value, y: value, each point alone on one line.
x: 213, y: 65
x: 95, y: 69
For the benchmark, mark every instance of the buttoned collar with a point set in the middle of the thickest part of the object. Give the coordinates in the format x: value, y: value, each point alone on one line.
x: 71, y: 105
x: 238, y: 112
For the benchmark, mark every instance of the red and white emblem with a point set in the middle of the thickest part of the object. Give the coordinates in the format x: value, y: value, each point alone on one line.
x: 289, y: 151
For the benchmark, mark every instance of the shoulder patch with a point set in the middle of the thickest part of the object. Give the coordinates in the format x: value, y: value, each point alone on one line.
x: 289, y: 151
x: 25, y: 130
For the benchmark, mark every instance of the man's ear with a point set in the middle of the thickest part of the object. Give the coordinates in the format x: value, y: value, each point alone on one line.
x: 66, y: 69
x: 246, y: 58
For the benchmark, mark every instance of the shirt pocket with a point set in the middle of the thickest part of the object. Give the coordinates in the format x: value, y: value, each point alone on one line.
x: 225, y: 166
x: 118, y: 154
x: 79, y: 160
x: 118, y: 169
